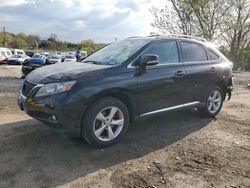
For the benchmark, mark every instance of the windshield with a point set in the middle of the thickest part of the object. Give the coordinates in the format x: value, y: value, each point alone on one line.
x: 55, y: 57
x: 70, y: 57
x: 20, y: 52
x: 116, y: 53
x: 38, y: 56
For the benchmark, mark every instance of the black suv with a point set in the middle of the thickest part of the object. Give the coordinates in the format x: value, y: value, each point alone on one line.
x: 135, y: 77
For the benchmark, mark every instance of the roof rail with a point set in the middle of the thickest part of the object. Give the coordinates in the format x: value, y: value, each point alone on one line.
x: 181, y: 36
x: 189, y: 37
x: 134, y: 37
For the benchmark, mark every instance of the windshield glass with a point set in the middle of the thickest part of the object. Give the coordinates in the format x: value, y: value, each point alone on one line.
x: 70, y: 57
x: 20, y: 52
x: 38, y: 56
x: 55, y: 57
x: 116, y: 53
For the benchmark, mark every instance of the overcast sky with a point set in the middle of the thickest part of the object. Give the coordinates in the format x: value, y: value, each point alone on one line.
x: 76, y: 20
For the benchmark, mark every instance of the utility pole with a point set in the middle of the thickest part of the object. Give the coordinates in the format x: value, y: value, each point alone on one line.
x: 4, y: 40
x: 36, y: 46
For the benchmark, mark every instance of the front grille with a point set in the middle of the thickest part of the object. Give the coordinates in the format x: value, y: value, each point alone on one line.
x: 27, y: 87
x: 13, y: 62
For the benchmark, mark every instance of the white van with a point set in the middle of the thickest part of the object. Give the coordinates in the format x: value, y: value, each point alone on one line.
x: 17, y: 52
x: 5, y: 54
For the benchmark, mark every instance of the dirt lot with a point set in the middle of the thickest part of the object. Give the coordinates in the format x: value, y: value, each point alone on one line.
x: 174, y: 149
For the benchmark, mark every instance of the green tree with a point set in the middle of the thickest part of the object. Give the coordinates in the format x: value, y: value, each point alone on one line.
x: 227, y: 21
x: 20, y: 41
x: 237, y: 32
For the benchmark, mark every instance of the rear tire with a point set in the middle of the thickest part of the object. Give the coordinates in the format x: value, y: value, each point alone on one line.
x: 105, y: 122
x: 213, y: 103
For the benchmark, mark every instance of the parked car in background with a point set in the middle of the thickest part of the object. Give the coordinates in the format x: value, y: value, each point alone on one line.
x: 2, y: 58
x: 17, y: 52
x: 70, y: 58
x: 33, y: 63
x: 55, y: 59
x: 71, y: 53
x: 29, y: 53
x: 83, y: 54
x: 17, y: 59
x: 129, y: 79
x: 5, y: 54
x: 46, y: 54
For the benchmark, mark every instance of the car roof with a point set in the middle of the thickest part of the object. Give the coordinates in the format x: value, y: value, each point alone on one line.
x: 175, y: 37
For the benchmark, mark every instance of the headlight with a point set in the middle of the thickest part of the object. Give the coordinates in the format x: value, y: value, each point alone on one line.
x: 53, y: 88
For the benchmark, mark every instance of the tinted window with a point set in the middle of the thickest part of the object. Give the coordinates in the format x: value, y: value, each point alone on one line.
x: 70, y: 57
x: 167, y: 51
x: 212, y: 55
x: 193, y: 52
x: 19, y: 52
x: 55, y: 57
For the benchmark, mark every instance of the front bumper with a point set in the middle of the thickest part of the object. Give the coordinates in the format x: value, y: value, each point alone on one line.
x: 53, y: 111
x: 27, y: 69
x: 230, y: 88
x: 14, y: 62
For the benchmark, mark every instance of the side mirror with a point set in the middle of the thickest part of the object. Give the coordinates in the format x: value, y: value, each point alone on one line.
x: 149, y: 60
x: 146, y: 60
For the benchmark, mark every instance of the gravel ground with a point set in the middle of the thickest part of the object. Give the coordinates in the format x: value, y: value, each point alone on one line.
x: 174, y: 149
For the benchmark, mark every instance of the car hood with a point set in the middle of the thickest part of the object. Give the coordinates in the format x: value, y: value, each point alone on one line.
x: 15, y: 58
x: 65, y: 72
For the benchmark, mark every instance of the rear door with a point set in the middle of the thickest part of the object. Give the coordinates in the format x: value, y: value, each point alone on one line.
x: 200, y: 69
x: 161, y: 86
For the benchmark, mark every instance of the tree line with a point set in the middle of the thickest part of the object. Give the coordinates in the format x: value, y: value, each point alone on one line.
x: 52, y: 43
x: 225, y: 22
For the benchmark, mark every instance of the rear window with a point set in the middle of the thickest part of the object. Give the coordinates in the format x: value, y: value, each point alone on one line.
x: 19, y: 52
x: 55, y: 57
x: 212, y: 55
x: 193, y: 52
x: 70, y: 57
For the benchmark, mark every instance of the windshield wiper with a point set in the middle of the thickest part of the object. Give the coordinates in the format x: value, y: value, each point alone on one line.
x: 94, y: 62
x: 99, y: 62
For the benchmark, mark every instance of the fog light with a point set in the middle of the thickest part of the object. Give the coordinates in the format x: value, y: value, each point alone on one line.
x: 54, y: 118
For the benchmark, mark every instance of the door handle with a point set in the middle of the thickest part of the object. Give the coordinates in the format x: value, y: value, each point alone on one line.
x: 213, y: 69
x: 180, y: 73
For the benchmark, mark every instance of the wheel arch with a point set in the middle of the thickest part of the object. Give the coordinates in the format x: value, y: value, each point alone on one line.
x: 222, y: 85
x: 120, y: 94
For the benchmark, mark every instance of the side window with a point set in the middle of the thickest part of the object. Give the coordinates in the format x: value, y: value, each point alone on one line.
x: 166, y: 50
x: 193, y: 52
x: 212, y: 55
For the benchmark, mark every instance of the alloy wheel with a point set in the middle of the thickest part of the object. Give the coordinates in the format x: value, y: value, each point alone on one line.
x: 214, y: 101
x: 108, y: 123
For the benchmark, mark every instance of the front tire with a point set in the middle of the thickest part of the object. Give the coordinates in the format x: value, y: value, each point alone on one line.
x: 213, y: 102
x: 105, y: 122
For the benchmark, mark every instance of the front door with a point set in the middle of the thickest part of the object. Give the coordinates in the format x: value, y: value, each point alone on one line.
x: 161, y: 86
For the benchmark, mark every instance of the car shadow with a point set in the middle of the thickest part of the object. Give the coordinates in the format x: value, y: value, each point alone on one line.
x: 33, y: 155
